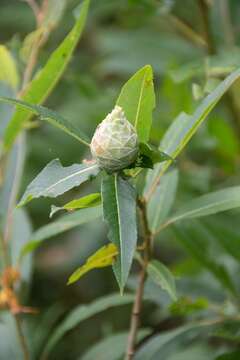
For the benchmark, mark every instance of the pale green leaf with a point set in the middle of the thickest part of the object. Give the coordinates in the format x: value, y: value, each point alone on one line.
x: 65, y: 223
x: 119, y: 210
x: 45, y: 80
x: 112, y: 347
x: 160, y: 274
x: 55, y: 180
x: 184, y: 127
x: 84, y: 202
x: 52, y: 117
x: 208, y: 204
x: 105, y: 256
x: 161, y: 203
x: 137, y: 99
x: 83, y: 312
x: 8, y: 69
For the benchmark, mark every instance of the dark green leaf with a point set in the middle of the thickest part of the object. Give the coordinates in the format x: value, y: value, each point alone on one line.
x: 52, y: 117
x: 83, y: 312
x: 119, y: 210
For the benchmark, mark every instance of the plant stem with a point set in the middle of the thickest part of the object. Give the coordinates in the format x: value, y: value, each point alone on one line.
x: 21, y: 337
x: 137, y: 306
x: 206, y: 26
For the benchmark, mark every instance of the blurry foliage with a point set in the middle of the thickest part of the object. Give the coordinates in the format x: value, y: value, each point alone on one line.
x: 120, y: 37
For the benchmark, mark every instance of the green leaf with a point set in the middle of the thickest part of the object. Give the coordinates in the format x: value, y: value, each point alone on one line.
x: 91, y: 200
x: 55, y: 180
x: 161, y: 203
x: 137, y: 99
x: 45, y: 80
x: 105, y: 256
x: 52, y: 117
x: 235, y: 355
x: 196, y: 240
x: 185, y: 126
x: 161, y: 345
x: 65, y: 223
x: 119, y: 210
x: 112, y: 347
x: 208, y: 204
x: 160, y: 274
x: 83, y: 312
x: 8, y: 70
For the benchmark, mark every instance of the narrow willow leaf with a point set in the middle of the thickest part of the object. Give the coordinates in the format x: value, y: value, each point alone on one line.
x: 83, y: 312
x: 137, y: 99
x: 112, y: 347
x: 208, y: 204
x: 161, y: 203
x: 45, y: 80
x: 195, y: 238
x: 185, y: 126
x: 84, y: 202
x: 158, y: 346
x: 52, y: 117
x: 55, y: 180
x: 160, y: 274
x: 8, y: 70
x: 105, y: 256
x: 65, y: 223
x: 119, y: 210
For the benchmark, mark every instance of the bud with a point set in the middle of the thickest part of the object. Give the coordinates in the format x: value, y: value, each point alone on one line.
x: 115, y: 142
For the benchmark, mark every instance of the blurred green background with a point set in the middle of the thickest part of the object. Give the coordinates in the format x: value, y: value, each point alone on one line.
x: 120, y: 37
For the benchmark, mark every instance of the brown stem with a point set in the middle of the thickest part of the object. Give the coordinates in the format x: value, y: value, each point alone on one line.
x: 137, y: 306
x: 206, y: 26
x: 21, y: 337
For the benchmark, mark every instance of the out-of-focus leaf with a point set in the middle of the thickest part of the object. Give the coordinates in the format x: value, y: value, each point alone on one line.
x: 55, y: 10
x: 28, y: 43
x: 65, y: 223
x: 52, y: 117
x: 119, y: 210
x: 111, y: 347
x: 235, y: 355
x: 161, y: 203
x: 185, y: 126
x: 8, y: 69
x: 105, y: 256
x: 83, y: 312
x: 194, y: 237
x: 91, y: 200
x: 160, y: 274
x: 160, y: 344
x: 40, y: 87
x: 137, y: 99
x: 197, y: 352
x: 208, y: 204
x: 55, y: 180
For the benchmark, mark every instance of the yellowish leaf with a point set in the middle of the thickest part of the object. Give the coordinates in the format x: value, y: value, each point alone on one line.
x: 105, y: 256
x: 8, y: 70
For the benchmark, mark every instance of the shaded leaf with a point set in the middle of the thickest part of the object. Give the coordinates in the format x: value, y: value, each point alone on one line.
x: 160, y: 274
x: 208, y: 204
x: 52, y: 117
x: 105, y: 256
x: 45, y: 80
x: 119, y: 210
x: 235, y: 355
x: 55, y: 179
x: 83, y: 312
x: 8, y: 70
x: 65, y: 223
x: 111, y: 347
x: 84, y: 202
x: 137, y: 99
x: 161, y: 203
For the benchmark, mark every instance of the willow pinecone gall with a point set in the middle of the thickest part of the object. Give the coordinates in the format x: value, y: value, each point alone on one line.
x: 115, y: 142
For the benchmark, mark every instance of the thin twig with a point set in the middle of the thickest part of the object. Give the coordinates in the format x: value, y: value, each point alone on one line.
x: 203, y: 6
x: 21, y: 337
x: 226, y: 22
x: 136, y: 310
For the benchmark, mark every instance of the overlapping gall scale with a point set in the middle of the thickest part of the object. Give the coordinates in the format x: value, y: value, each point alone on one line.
x: 115, y: 142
